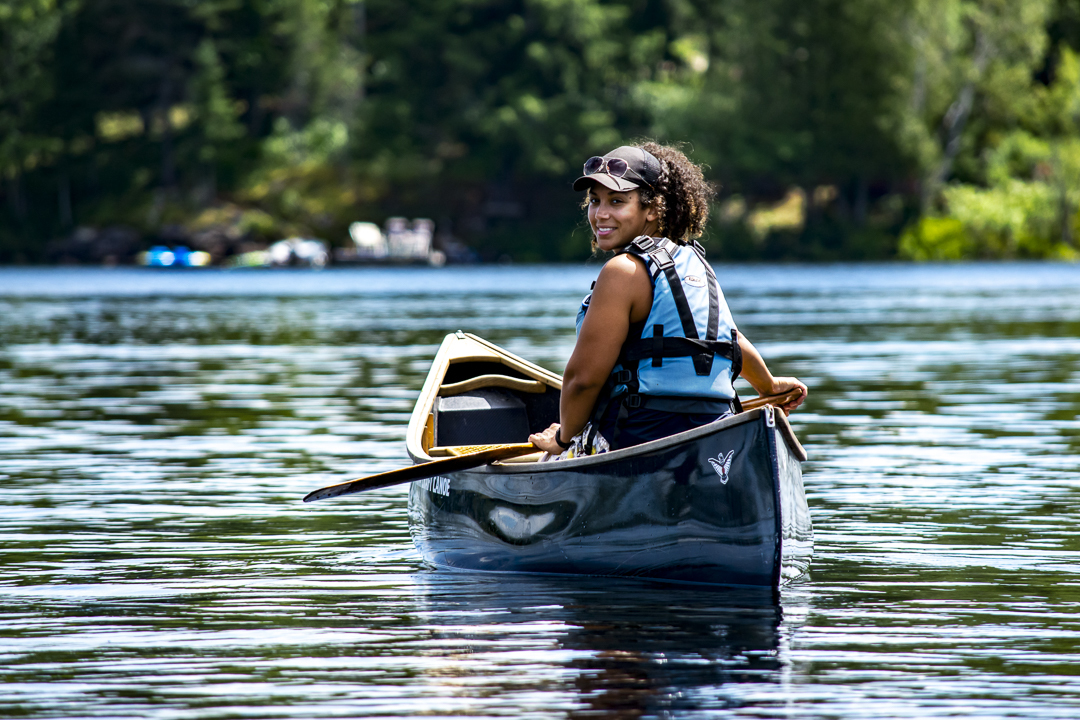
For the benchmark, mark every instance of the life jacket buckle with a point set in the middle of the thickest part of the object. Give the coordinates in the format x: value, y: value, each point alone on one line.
x: 633, y: 401
x: 623, y: 377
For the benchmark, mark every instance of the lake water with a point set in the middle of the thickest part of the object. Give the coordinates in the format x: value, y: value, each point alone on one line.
x: 158, y: 429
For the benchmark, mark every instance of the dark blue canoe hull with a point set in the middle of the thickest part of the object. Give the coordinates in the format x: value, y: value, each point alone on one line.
x: 667, y: 510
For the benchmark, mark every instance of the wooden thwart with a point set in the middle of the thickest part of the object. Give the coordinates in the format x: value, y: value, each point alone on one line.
x: 487, y: 381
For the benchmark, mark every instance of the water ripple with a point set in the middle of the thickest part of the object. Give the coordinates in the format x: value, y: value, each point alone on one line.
x: 158, y: 430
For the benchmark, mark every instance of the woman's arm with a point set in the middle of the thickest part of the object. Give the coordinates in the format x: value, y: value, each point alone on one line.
x: 623, y: 294
x: 757, y: 374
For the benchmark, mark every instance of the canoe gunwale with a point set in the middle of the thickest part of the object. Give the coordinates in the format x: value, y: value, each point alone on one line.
x: 652, y: 446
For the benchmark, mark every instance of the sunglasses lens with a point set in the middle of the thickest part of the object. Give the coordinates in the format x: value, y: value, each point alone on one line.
x: 616, y: 167
x: 593, y: 165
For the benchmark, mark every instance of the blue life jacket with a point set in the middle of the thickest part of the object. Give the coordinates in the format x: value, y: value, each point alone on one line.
x: 679, y: 364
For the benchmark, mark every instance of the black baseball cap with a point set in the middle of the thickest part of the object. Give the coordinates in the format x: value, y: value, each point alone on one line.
x: 642, y: 168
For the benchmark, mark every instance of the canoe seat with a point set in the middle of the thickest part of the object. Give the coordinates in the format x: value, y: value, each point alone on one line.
x: 483, y: 416
x: 492, y: 381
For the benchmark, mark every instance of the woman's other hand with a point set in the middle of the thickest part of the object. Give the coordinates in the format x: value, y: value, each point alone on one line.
x: 546, y: 440
x: 782, y: 385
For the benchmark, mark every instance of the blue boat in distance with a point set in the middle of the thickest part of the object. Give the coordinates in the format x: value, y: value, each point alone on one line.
x: 721, y: 504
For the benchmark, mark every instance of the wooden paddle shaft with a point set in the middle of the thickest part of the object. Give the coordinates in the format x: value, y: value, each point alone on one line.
x: 775, y: 400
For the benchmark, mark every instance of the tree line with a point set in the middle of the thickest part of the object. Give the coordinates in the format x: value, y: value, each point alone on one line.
x: 834, y: 129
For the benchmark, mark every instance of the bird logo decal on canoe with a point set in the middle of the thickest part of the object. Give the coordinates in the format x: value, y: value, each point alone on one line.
x: 721, y: 464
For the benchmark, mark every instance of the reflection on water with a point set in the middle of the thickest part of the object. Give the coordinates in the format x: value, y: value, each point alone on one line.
x: 157, y: 431
x: 614, y: 648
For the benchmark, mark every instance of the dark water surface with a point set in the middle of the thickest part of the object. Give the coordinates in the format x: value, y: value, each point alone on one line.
x: 157, y: 431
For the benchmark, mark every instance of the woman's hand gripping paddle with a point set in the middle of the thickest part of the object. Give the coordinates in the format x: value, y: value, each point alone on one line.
x: 780, y: 401
x: 483, y: 455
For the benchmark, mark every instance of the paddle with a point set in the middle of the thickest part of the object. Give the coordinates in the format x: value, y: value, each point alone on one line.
x: 486, y: 454
x: 489, y: 454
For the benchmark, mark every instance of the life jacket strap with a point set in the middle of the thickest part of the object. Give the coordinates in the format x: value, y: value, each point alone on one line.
x: 673, y: 347
x: 714, y: 293
x: 736, y: 357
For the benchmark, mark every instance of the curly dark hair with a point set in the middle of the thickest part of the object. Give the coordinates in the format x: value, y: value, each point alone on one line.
x: 681, y: 196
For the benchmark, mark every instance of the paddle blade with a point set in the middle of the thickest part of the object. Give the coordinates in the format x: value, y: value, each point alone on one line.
x: 487, y: 454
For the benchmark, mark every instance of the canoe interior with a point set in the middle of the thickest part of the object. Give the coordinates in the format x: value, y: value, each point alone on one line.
x: 479, y: 394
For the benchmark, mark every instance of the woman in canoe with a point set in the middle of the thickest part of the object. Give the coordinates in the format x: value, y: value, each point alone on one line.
x: 657, y: 350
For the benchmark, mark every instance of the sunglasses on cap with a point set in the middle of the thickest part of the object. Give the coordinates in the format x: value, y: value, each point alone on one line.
x: 615, y: 167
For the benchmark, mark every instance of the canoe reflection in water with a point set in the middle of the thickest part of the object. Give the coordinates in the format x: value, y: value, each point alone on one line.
x: 720, y: 504
x: 625, y: 648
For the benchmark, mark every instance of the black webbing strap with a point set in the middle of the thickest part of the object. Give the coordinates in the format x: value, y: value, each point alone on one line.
x: 714, y: 293
x: 736, y: 369
x: 686, y: 316
x: 736, y: 356
x: 673, y: 347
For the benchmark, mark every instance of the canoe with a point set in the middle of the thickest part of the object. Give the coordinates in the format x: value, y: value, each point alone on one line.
x: 721, y: 504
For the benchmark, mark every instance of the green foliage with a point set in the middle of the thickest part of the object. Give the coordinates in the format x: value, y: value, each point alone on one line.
x: 925, y: 129
x: 1027, y: 201
x: 936, y: 238
x: 300, y: 181
x: 28, y: 33
x: 218, y: 114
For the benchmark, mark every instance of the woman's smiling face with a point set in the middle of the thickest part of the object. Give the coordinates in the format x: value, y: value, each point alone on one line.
x: 618, y: 217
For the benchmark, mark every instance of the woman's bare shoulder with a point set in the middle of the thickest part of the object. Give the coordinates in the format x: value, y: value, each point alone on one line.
x: 624, y: 281
x: 623, y: 267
